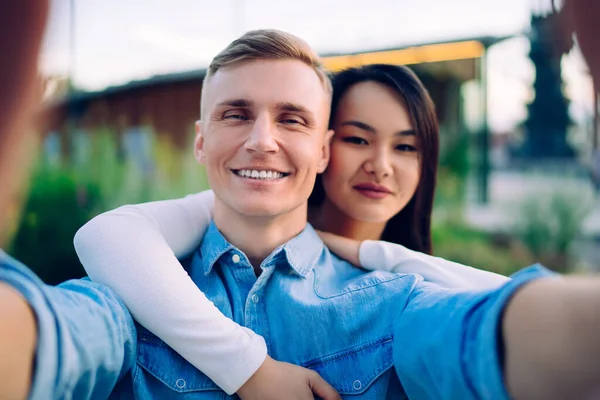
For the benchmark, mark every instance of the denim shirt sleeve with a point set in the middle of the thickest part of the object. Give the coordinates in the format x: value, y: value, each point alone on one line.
x: 86, y: 336
x: 448, y: 343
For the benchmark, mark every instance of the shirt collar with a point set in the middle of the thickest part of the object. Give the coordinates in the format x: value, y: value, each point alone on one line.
x: 301, y: 252
x: 213, y: 246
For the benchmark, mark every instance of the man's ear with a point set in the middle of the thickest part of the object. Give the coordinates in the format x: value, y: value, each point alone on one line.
x: 199, y: 144
x: 325, y: 151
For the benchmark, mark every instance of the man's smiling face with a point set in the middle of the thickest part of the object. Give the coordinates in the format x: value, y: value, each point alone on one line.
x: 263, y: 136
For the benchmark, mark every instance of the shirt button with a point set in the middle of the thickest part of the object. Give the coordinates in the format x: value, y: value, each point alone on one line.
x: 235, y: 258
x: 357, y: 385
x: 255, y: 298
x: 180, y: 383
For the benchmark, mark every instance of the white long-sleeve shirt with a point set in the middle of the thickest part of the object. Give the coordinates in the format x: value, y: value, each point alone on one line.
x: 134, y: 250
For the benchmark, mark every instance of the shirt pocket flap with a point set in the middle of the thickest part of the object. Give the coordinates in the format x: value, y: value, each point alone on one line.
x: 353, y: 371
x: 166, y: 365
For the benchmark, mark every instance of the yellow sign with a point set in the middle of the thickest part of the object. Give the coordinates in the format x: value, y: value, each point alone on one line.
x: 411, y: 55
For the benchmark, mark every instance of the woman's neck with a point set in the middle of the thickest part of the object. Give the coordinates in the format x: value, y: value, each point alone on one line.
x: 329, y: 218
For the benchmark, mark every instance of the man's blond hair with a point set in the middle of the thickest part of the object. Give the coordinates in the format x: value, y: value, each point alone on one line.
x: 268, y: 44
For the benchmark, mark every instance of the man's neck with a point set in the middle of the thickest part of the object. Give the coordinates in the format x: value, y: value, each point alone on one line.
x: 329, y: 218
x: 257, y: 237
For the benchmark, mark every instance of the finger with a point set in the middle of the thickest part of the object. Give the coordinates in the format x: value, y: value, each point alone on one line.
x: 327, y: 238
x: 322, y: 235
x: 322, y: 389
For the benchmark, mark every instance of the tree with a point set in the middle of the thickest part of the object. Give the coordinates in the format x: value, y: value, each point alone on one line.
x: 548, y: 120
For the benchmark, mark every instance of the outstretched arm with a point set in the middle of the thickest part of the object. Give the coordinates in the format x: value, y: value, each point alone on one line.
x: 18, y: 337
x: 72, y: 341
x: 551, y: 332
x: 535, y: 337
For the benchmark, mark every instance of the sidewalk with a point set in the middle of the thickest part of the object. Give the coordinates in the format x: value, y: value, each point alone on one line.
x: 509, y: 189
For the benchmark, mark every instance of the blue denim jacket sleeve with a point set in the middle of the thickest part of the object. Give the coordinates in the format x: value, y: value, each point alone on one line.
x: 448, y: 343
x: 86, y: 336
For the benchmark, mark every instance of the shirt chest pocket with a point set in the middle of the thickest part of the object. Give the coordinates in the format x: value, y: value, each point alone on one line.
x: 163, y: 372
x: 364, y: 372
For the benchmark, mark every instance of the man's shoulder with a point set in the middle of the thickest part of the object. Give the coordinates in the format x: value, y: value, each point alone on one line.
x: 333, y: 261
x: 335, y: 276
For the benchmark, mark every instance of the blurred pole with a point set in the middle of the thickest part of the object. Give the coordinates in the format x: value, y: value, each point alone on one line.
x: 484, y: 140
x: 67, y: 140
x: 71, y: 46
x: 596, y: 119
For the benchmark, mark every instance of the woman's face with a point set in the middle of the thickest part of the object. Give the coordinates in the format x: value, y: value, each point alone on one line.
x: 374, y: 168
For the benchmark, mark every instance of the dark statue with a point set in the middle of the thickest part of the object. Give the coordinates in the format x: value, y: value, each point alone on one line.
x: 546, y: 126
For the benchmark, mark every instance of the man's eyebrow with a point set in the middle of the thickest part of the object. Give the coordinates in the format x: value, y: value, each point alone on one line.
x: 370, y: 129
x: 236, y: 103
x: 244, y: 103
x: 293, y: 108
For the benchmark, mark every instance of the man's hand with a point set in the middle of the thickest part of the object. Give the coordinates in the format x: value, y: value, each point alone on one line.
x: 345, y: 248
x: 276, y: 380
x: 17, y: 344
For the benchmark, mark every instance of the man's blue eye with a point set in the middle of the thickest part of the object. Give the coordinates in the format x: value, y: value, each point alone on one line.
x: 236, y: 116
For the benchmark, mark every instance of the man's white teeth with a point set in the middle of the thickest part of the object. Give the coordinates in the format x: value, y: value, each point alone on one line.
x: 254, y: 174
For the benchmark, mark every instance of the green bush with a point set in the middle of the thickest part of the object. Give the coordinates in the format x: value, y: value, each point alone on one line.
x: 64, y: 195
x: 454, y: 167
x: 55, y: 209
x: 460, y: 243
x: 454, y: 155
x: 548, y: 224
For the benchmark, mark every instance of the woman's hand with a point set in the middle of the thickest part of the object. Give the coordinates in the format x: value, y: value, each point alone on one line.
x: 280, y: 380
x: 345, y: 248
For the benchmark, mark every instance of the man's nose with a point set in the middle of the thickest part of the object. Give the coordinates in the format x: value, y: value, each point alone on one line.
x: 261, y: 138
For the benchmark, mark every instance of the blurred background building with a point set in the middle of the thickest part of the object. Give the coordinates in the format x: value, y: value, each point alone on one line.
x: 518, y: 114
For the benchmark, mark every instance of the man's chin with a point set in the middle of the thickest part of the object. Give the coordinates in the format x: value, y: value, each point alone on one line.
x: 264, y: 207
x: 258, y: 209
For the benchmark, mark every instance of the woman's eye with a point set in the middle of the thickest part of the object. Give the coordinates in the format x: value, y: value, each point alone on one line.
x: 355, y: 140
x: 406, y: 147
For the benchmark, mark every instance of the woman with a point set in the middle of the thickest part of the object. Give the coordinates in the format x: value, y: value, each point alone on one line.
x: 379, y: 186
x: 384, y: 119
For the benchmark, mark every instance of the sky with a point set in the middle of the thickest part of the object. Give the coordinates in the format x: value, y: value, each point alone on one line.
x: 102, y: 43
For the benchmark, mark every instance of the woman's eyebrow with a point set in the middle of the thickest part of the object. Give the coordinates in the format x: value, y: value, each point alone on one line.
x: 360, y: 125
x: 407, y: 132
x: 368, y: 128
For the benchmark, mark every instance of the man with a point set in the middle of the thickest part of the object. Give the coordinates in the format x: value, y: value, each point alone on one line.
x: 265, y: 108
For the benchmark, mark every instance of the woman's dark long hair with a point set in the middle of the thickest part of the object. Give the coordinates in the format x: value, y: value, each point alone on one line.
x: 411, y: 227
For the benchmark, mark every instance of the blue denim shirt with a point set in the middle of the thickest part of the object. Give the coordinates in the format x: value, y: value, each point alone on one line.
x: 372, y: 335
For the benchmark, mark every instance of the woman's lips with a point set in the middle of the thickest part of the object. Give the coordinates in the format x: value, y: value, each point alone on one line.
x: 372, y: 194
x: 372, y: 190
